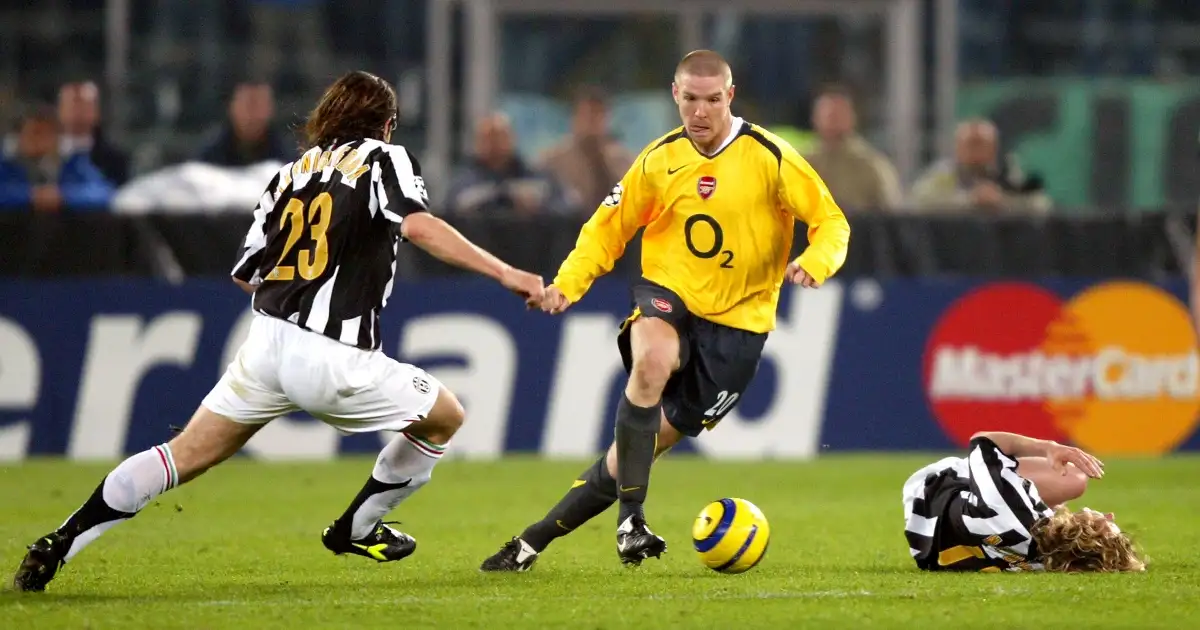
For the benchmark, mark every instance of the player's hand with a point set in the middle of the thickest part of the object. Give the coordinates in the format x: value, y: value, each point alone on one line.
x: 555, y: 302
x: 527, y: 285
x: 797, y: 275
x: 1060, y: 455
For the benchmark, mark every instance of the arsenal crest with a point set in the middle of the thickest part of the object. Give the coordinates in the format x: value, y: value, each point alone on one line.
x: 706, y: 186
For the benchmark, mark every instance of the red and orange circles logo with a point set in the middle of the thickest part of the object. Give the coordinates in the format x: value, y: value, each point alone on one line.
x: 1112, y: 370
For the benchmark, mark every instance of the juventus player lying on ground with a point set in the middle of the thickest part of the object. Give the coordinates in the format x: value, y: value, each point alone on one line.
x: 319, y: 260
x: 1001, y: 508
x: 719, y: 197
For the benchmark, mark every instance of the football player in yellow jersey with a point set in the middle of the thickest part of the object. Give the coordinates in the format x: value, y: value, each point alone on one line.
x: 718, y: 198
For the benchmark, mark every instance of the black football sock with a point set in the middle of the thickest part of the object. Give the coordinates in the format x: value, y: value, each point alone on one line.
x: 589, y: 496
x: 637, y: 437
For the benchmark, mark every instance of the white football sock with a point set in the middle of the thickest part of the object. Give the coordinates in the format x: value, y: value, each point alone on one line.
x: 405, y: 458
x: 127, y: 489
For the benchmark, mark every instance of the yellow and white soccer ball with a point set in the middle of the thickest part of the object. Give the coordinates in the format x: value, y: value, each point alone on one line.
x: 731, y: 535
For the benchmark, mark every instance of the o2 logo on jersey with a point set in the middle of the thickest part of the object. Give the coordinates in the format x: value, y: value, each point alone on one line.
x: 706, y: 186
x: 614, y: 198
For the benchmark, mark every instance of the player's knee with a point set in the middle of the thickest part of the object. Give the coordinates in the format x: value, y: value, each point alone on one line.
x: 1059, y: 489
x: 1074, y: 484
x: 652, y: 368
x: 444, y: 420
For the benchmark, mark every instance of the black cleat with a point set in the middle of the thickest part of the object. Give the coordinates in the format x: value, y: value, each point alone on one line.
x: 515, y: 555
x: 45, y: 558
x: 635, y: 542
x: 385, y: 544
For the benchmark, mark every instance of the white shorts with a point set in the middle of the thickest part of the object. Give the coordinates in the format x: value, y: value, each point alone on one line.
x: 282, y: 368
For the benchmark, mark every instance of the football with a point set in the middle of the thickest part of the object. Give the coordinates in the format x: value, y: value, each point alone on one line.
x: 731, y: 535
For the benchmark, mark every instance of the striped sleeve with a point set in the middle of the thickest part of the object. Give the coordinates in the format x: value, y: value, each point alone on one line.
x: 250, y: 256
x: 398, y: 187
x: 1003, y: 504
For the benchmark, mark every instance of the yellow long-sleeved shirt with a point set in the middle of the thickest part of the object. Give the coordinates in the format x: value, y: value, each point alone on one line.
x: 718, y: 228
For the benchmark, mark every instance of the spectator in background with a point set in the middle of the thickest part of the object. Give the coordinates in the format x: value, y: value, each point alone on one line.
x: 590, y: 161
x: 248, y: 136
x: 36, y: 174
x: 859, y: 177
x: 976, y: 178
x: 79, y: 116
x: 497, y: 180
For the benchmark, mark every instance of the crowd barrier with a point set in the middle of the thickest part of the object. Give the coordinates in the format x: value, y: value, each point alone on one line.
x: 1143, y: 245
x: 93, y: 369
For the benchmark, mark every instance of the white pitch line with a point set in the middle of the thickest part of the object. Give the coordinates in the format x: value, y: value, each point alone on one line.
x: 509, y: 598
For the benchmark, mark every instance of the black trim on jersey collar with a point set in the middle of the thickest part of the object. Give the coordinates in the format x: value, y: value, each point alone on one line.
x: 741, y: 132
x: 671, y: 138
x: 665, y: 141
x: 763, y: 140
x: 746, y: 130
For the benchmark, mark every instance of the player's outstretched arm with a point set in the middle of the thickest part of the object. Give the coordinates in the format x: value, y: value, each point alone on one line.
x: 631, y: 205
x: 447, y: 244
x: 1057, y: 455
x: 803, y: 192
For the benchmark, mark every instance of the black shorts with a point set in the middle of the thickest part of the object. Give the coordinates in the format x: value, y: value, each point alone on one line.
x: 716, y: 363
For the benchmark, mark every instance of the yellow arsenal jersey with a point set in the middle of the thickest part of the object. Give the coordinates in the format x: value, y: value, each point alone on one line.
x: 718, y: 228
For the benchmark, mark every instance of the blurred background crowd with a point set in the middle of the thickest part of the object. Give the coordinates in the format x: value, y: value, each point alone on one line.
x: 111, y: 103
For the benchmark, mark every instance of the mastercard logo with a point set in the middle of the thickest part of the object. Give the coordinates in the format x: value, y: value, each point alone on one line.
x: 1113, y: 370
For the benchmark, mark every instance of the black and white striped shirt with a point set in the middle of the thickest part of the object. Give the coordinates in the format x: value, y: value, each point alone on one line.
x: 973, y: 513
x: 322, y: 248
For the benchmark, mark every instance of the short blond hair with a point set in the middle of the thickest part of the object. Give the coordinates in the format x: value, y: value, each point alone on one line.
x: 1073, y: 542
x: 704, y: 63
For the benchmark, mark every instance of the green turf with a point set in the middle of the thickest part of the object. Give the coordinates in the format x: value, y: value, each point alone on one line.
x: 239, y: 548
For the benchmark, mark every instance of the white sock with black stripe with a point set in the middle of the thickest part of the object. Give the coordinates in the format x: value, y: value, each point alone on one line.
x: 403, y: 466
x: 122, y: 494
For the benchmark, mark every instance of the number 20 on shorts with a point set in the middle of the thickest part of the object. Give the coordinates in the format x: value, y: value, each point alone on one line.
x: 310, y: 262
x: 724, y: 403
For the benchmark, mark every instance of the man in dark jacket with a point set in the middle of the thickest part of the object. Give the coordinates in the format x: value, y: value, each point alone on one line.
x: 247, y: 136
x: 497, y: 181
x: 79, y: 115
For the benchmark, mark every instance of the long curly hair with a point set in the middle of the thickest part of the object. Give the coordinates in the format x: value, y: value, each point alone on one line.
x: 1070, y: 542
x: 358, y: 105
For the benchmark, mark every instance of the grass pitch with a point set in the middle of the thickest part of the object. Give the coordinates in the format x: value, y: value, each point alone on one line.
x: 240, y: 548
